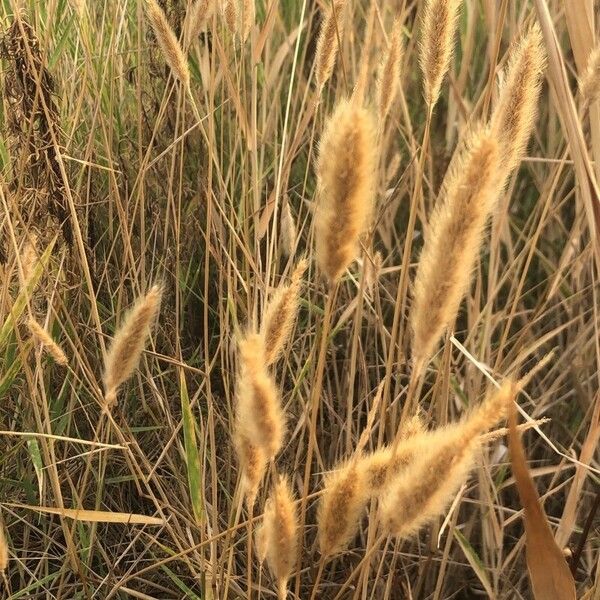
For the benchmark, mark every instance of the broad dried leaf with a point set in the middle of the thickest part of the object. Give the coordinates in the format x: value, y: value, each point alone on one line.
x: 548, y: 571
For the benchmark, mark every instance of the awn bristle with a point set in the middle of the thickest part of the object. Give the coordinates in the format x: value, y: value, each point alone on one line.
x: 197, y: 17
x: 253, y: 464
x: 513, y: 117
x: 425, y: 488
x: 388, y: 81
x: 289, y: 233
x: 3, y: 550
x: 344, y: 498
x: 168, y: 42
x: 45, y: 339
x: 260, y: 416
x: 327, y: 43
x: 454, y: 236
x: 127, y: 346
x: 589, y: 84
x: 440, y: 18
x: 279, y: 533
x: 346, y: 176
x: 281, y: 313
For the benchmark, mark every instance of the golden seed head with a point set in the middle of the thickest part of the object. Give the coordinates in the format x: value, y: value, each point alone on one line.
x: 327, y: 43
x: 440, y: 18
x: 45, y: 339
x: 346, y: 177
x: 281, y: 313
x: 514, y: 116
x: 260, y: 416
x: 3, y: 550
x: 388, y: 82
x: 454, y: 236
x: 280, y: 532
x: 253, y: 464
x: 424, y: 489
x: 343, y: 500
x: 168, y: 42
x: 589, y: 84
x: 129, y: 341
x: 197, y: 17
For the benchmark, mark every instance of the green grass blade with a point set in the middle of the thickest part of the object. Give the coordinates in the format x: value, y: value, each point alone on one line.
x: 192, y: 456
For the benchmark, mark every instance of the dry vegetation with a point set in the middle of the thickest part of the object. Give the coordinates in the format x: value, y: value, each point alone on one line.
x: 273, y: 275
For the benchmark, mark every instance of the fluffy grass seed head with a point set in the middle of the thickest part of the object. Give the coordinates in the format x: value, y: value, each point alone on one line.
x: 45, y: 339
x: 514, y: 115
x: 454, y: 236
x: 197, y: 17
x: 288, y: 233
x: 281, y: 314
x: 327, y: 44
x: 346, y: 176
x: 253, y: 464
x: 260, y: 416
x: 589, y: 84
x: 279, y: 534
x: 388, y: 81
x: 423, y: 490
x: 344, y: 498
x: 168, y: 42
x: 129, y: 341
x: 440, y: 18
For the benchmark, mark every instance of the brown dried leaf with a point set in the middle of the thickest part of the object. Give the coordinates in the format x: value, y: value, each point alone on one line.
x: 548, y: 571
